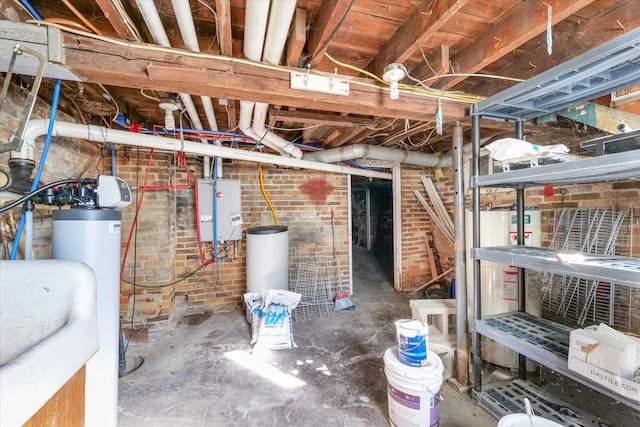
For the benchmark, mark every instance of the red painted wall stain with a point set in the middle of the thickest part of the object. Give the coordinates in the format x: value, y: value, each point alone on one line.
x: 317, y: 190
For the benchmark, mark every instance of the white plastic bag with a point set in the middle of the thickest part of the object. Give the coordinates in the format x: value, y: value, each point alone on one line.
x: 271, y: 318
x: 513, y: 148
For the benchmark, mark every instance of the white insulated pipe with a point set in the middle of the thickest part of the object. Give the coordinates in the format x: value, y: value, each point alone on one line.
x: 269, y: 138
x: 152, y: 19
x: 188, y: 31
x: 256, y: 13
x: 279, y: 23
x: 376, y: 152
x: 182, y: 10
x: 38, y: 127
x: 256, y: 17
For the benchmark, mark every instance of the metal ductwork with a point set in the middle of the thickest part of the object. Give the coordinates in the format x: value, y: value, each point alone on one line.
x: 376, y: 152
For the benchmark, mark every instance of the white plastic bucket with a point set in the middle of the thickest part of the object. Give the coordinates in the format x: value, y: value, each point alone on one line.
x: 412, y: 338
x: 524, y: 420
x: 413, y: 393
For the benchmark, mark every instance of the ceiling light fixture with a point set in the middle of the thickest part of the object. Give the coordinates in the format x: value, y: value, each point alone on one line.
x: 169, y: 106
x: 392, y: 75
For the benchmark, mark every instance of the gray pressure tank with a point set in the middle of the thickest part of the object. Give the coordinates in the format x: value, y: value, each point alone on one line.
x: 267, y: 258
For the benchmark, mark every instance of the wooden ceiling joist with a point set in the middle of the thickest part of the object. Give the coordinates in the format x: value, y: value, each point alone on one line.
x: 607, y: 26
x: 528, y: 21
x: 322, y: 27
x: 116, y: 20
x: 297, y: 38
x: 225, y: 37
x: 435, y: 63
x: 428, y: 18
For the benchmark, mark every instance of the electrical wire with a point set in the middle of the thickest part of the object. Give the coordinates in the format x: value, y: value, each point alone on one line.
x: 166, y: 285
x: 153, y: 98
x: 113, y: 101
x: 292, y: 129
x: 128, y: 22
x: 425, y: 90
x: 487, y: 76
x: 333, y: 34
x: 469, y: 99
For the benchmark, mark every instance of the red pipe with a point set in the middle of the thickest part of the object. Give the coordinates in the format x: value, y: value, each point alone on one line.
x: 162, y: 187
x: 135, y: 217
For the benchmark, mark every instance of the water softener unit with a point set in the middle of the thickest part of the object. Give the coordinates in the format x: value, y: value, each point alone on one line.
x: 91, y: 234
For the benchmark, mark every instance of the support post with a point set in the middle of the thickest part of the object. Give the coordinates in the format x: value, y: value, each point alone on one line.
x: 396, y: 177
x: 462, y: 342
x: 522, y: 293
x: 477, y: 313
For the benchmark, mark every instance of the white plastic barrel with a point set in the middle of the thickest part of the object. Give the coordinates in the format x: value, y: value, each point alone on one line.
x: 413, y: 392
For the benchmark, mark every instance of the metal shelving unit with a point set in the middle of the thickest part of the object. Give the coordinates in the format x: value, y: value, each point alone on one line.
x: 610, y: 269
x: 542, y: 341
x: 592, y: 169
x: 610, y: 67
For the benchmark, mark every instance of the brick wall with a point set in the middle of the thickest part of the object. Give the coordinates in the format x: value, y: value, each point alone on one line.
x: 416, y: 225
x: 167, y: 249
x: 65, y: 159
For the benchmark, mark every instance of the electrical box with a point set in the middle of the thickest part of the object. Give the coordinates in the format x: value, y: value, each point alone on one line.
x: 219, y: 199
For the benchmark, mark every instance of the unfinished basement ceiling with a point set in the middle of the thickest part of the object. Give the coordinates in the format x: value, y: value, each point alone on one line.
x: 445, y: 44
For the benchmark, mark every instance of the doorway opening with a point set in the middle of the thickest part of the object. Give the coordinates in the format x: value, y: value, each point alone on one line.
x: 372, y: 220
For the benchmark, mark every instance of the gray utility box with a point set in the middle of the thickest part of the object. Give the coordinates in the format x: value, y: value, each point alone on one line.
x: 219, y: 199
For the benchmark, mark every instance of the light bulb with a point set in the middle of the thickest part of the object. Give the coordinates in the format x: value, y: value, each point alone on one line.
x: 394, y: 93
x: 169, y: 120
x: 169, y: 106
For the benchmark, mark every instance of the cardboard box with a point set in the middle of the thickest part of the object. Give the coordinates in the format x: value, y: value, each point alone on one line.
x: 622, y: 386
x: 606, y: 357
x: 607, y: 349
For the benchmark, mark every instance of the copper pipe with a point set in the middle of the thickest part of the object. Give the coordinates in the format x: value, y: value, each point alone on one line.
x: 86, y: 22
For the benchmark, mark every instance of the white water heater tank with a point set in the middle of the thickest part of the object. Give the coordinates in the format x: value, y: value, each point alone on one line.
x: 499, y: 283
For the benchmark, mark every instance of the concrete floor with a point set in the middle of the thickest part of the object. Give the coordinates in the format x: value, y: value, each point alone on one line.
x: 189, y: 376
x: 186, y: 379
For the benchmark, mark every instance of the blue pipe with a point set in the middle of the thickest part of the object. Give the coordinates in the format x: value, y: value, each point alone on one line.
x: 31, y: 10
x: 43, y: 158
x: 113, y: 160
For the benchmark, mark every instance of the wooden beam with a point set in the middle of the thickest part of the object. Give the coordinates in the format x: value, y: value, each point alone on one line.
x: 297, y: 38
x: 345, y: 136
x: 312, y: 117
x: 575, y: 40
x: 225, y: 37
x: 307, y: 134
x: 435, y: 63
x: 324, y: 25
x: 427, y: 19
x: 600, y: 117
x: 223, y: 11
x: 355, y: 139
x: 116, y: 20
x: 526, y: 22
x: 179, y: 71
